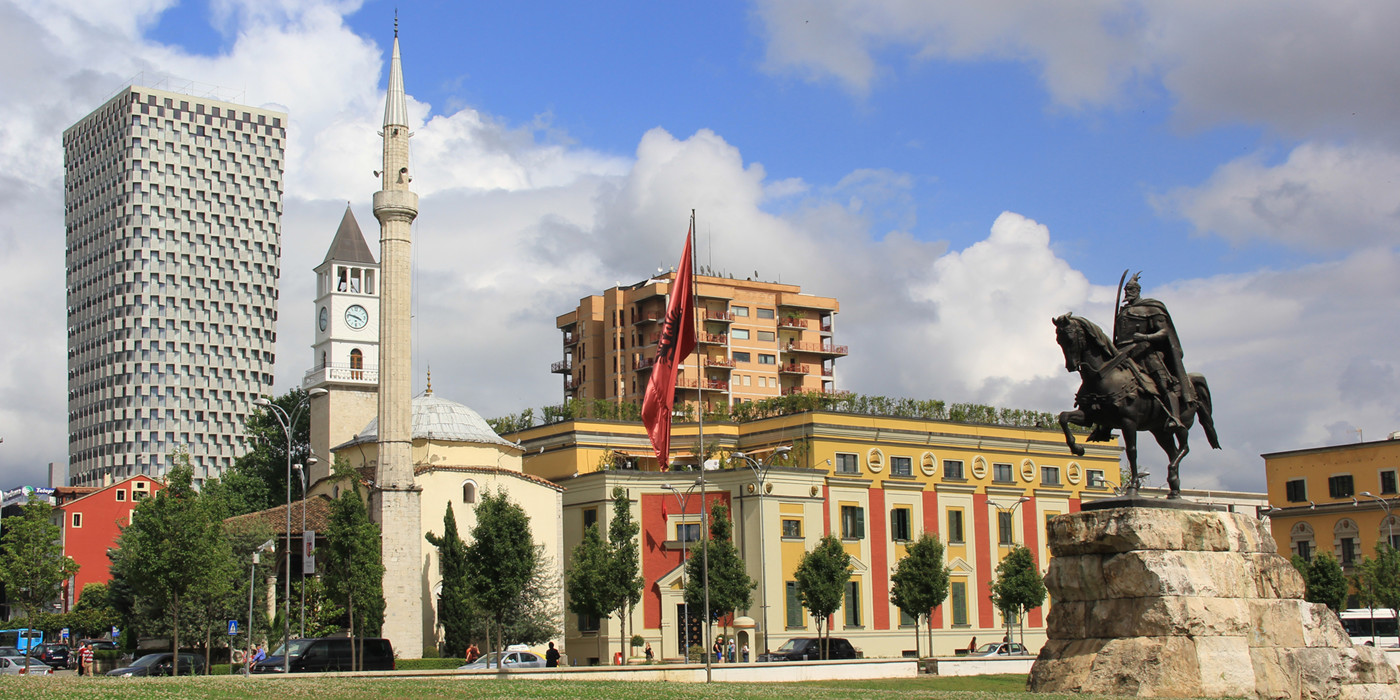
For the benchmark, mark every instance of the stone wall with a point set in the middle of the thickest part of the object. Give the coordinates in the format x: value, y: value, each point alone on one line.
x: 1187, y: 603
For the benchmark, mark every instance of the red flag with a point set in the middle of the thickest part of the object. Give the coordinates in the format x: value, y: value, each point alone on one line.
x: 676, y: 343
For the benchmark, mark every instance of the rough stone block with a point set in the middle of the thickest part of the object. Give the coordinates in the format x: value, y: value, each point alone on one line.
x: 1116, y: 530
x: 1146, y: 666
x: 1226, y: 668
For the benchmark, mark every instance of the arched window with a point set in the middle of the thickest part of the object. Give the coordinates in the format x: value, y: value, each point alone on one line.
x: 357, y: 363
x: 469, y: 491
x: 1301, y: 540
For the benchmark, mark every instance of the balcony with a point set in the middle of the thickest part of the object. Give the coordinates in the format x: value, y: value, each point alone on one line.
x: 794, y: 368
x: 644, y: 365
x: 649, y: 317
x: 722, y: 362
x: 570, y: 384
x: 808, y: 390
x: 719, y: 316
x: 794, y: 323
x: 826, y: 325
x: 715, y: 384
x: 340, y: 372
x: 820, y: 348
x: 828, y: 372
x: 713, y: 338
x: 562, y: 367
x: 570, y: 338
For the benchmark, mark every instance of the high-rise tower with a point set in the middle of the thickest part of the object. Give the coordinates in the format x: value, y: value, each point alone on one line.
x: 397, y: 497
x: 172, y: 211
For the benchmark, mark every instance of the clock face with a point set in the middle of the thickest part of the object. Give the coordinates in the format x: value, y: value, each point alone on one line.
x: 356, y: 317
x: 325, y: 318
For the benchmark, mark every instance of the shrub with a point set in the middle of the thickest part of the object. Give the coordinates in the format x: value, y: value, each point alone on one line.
x: 427, y: 664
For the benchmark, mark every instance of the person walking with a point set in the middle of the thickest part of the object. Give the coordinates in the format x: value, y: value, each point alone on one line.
x: 718, y: 650
x: 85, y: 660
x: 551, y: 657
x: 648, y: 652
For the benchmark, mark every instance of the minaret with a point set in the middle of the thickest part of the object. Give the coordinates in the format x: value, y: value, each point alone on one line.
x: 397, y: 498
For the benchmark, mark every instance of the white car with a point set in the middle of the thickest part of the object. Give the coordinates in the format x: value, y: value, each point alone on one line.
x: 14, y: 666
x: 514, y: 659
x: 1000, y: 649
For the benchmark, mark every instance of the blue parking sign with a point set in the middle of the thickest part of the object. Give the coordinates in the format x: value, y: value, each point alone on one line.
x: 233, y: 628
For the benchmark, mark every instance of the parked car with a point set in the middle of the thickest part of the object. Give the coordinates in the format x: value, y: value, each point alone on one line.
x: 514, y: 659
x: 805, y: 648
x: 10, y: 651
x: 329, y: 654
x: 98, y: 644
x: 1000, y: 649
x: 161, y: 664
x: 55, y: 655
x: 14, y: 666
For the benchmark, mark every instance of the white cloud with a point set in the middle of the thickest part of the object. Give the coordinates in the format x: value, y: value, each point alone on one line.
x: 1304, y: 68
x: 1321, y: 197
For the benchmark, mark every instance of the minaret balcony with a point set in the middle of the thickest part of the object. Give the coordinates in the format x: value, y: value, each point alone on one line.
x: 340, y: 373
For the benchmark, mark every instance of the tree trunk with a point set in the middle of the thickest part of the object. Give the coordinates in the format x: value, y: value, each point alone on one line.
x: 350, y: 609
x: 175, y: 635
x: 208, y: 642
x: 500, y: 644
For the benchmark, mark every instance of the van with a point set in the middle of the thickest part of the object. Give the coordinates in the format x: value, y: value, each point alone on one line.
x: 330, y: 654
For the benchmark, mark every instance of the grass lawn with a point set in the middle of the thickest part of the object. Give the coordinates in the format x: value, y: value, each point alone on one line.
x: 219, y: 688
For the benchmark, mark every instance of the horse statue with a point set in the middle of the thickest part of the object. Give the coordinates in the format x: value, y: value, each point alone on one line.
x: 1113, y: 395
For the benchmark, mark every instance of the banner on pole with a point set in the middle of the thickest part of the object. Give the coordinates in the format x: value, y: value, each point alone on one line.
x: 308, y: 552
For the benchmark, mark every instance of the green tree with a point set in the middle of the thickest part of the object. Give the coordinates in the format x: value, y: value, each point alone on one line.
x: 920, y: 583
x: 731, y: 587
x: 1324, y: 581
x: 354, y: 574
x: 258, y: 479
x: 821, y: 583
x: 32, y: 564
x: 94, y: 613
x: 1018, y: 587
x: 590, y: 584
x: 626, y: 559
x: 501, y: 560
x: 454, y: 603
x: 1386, y: 574
x: 173, y: 548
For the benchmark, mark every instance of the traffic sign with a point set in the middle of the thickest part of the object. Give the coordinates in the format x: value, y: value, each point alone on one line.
x: 233, y: 628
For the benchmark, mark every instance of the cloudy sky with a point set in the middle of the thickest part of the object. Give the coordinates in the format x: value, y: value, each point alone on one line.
x: 956, y: 174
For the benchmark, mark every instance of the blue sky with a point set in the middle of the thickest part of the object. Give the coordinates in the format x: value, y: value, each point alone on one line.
x: 954, y: 173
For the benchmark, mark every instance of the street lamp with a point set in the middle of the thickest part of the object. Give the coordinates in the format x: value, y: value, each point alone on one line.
x: 1389, y: 521
x: 288, y: 423
x: 252, y: 569
x: 681, y: 500
x: 760, y: 473
x: 1011, y: 510
x: 301, y: 473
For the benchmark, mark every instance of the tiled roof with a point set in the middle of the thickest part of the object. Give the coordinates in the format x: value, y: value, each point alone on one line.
x: 349, y: 243
x: 318, y: 516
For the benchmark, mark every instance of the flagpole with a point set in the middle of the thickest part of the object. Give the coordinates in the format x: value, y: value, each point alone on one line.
x: 700, y: 450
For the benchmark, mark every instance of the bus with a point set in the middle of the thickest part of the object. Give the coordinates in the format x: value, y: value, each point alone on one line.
x: 23, y: 639
x: 1374, y: 626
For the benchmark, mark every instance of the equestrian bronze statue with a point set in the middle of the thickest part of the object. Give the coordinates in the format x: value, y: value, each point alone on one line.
x: 1133, y: 382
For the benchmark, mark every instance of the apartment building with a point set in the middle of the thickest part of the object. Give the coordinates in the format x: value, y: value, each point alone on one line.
x: 757, y: 340
x: 172, y: 213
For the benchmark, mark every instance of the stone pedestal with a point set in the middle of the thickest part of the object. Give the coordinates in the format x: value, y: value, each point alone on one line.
x: 1181, y: 603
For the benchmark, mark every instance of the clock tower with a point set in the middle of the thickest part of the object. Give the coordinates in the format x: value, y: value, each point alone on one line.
x: 345, y: 358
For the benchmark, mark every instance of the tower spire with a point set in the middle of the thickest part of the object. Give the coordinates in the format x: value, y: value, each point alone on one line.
x: 396, y: 104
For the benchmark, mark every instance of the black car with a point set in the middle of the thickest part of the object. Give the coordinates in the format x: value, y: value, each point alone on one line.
x: 330, y: 654
x: 805, y: 648
x: 161, y: 664
x: 55, y: 655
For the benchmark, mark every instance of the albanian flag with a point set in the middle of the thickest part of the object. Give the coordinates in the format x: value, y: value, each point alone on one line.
x: 676, y: 343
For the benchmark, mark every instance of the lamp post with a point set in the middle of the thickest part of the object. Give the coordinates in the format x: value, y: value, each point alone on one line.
x: 288, y: 423
x: 301, y: 474
x: 252, y: 569
x: 1389, y: 521
x: 681, y: 500
x: 760, y: 473
x: 1011, y: 509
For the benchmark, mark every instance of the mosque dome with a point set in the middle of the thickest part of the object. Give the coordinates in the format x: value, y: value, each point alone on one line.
x: 439, y: 419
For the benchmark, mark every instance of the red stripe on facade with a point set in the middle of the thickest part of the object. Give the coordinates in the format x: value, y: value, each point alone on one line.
x: 879, y: 559
x: 1074, y: 505
x: 931, y: 526
x: 982, y: 532
x: 1032, y: 538
x: 656, y: 561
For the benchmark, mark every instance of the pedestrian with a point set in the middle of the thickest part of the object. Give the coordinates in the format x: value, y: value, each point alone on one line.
x: 718, y: 650
x: 746, y: 652
x: 259, y: 653
x: 551, y: 657
x: 731, y: 650
x: 473, y: 653
x: 972, y: 646
x: 648, y: 652
x: 85, y: 660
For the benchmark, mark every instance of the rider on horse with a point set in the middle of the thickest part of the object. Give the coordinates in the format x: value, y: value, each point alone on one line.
x: 1144, y: 331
